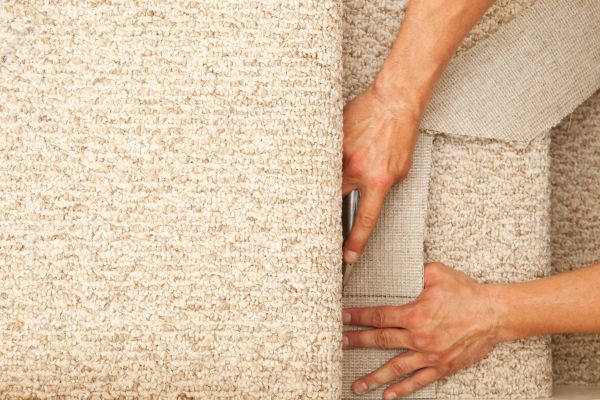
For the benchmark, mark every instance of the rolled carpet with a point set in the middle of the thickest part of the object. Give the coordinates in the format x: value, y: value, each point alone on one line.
x: 170, y: 179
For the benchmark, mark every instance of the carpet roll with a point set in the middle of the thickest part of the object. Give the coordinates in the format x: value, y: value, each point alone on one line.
x: 170, y: 193
x: 170, y: 196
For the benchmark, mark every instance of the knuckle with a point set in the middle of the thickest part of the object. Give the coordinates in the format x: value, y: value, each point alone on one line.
x: 422, y: 341
x: 382, y: 339
x: 416, y: 317
x: 433, y: 358
x: 378, y: 318
x: 433, y: 269
x: 367, y: 221
x: 398, y: 367
x: 435, y: 273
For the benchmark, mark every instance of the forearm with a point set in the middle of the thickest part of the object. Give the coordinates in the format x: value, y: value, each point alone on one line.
x: 564, y: 303
x: 430, y: 33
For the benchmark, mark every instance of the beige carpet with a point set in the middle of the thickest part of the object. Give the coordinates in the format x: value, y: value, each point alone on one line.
x: 170, y: 181
x: 170, y: 199
x: 370, y: 28
x: 489, y: 217
x: 464, y: 226
x: 575, y: 177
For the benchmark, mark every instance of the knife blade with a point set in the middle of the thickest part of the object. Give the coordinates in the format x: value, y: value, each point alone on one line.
x: 349, y: 208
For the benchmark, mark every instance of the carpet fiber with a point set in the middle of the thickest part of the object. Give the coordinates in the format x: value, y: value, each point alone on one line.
x: 170, y: 200
x: 489, y: 217
x: 576, y: 228
x: 170, y: 192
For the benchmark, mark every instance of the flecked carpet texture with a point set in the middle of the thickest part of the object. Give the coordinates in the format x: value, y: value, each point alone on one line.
x: 170, y: 199
x: 575, y: 177
x: 475, y: 204
x: 489, y: 217
x: 170, y: 196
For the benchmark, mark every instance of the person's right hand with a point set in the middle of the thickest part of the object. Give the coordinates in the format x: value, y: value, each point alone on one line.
x: 380, y: 132
x: 454, y: 322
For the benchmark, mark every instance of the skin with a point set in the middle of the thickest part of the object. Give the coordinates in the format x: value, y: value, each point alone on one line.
x: 381, y: 124
x: 455, y: 321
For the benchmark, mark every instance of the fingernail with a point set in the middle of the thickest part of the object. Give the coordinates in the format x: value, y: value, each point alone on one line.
x: 346, y: 341
x: 360, y: 387
x: 390, y: 396
x: 350, y: 256
x: 346, y: 317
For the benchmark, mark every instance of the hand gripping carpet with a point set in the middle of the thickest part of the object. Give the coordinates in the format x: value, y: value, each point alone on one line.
x: 487, y: 172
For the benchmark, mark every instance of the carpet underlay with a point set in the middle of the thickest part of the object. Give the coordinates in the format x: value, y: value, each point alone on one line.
x: 170, y: 196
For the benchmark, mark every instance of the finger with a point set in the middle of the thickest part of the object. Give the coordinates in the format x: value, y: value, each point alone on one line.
x: 379, y: 317
x: 348, y: 186
x: 434, y: 272
x: 386, y: 338
x: 369, y: 208
x: 350, y: 179
x: 418, y: 380
x: 397, y: 367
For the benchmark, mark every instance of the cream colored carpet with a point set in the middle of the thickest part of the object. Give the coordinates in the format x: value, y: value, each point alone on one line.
x: 170, y: 181
x: 474, y: 185
x: 489, y: 217
x: 575, y: 178
x: 170, y: 199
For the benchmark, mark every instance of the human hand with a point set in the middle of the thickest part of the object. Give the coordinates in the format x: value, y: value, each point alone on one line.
x: 452, y: 324
x: 380, y: 132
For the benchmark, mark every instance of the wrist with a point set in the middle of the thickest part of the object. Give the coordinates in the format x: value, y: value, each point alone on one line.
x: 503, y: 313
x: 399, y: 87
x: 397, y: 96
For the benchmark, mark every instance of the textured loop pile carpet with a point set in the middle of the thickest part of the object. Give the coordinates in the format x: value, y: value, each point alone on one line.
x: 170, y: 193
x: 575, y: 151
x: 489, y: 217
x: 489, y: 192
x: 170, y: 180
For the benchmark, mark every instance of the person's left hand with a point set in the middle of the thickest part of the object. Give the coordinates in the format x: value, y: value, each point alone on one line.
x: 380, y: 134
x: 452, y: 324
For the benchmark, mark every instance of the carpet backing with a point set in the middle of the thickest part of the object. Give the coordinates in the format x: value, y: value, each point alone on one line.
x: 390, y: 270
